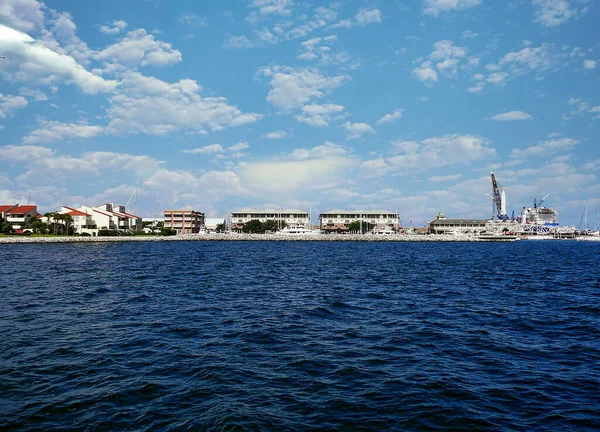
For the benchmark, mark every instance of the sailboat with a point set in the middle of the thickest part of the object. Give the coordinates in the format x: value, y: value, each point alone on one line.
x: 588, y: 235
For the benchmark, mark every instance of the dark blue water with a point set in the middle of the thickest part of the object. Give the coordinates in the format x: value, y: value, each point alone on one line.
x: 300, y: 336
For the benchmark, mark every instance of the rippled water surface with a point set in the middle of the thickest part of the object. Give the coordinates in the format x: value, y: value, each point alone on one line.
x: 300, y: 336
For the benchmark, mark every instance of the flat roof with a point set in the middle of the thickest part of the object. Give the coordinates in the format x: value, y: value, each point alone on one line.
x: 274, y: 211
x: 358, y: 212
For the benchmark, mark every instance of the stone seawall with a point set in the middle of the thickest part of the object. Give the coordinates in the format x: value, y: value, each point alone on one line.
x: 242, y: 237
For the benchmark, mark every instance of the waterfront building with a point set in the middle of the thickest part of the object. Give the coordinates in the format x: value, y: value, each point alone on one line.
x: 5, y: 208
x: 19, y: 216
x: 442, y: 225
x: 338, y: 220
x: 184, y: 221
x: 82, y: 220
x: 290, y: 217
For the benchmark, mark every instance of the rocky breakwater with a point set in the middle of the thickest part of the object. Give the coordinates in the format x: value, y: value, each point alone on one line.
x: 244, y: 237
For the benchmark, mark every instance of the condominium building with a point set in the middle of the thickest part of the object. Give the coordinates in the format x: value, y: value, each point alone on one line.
x: 184, y: 221
x: 338, y: 220
x: 20, y: 216
x: 83, y: 221
x: 291, y: 217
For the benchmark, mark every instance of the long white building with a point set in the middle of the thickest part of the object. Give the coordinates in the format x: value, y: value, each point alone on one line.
x: 291, y: 217
x: 338, y: 220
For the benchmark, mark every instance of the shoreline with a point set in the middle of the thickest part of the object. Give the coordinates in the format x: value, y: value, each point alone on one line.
x: 244, y: 237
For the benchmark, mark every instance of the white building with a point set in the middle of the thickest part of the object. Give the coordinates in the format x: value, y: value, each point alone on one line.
x: 82, y: 221
x: 291, y: 217
x: 338, y: 220
x: 111, y: 217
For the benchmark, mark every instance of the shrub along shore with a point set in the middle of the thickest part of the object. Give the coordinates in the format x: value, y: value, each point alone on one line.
x: 239, y: 237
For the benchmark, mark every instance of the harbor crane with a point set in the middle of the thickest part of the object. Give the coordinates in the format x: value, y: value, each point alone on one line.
x: 499, y: 198
x: 537, y: 204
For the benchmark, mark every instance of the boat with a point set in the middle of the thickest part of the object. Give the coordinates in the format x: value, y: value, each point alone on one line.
x: 384, y: 231
x: 298, y: 230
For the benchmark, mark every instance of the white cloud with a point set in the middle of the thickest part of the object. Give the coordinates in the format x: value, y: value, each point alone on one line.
x: 24, y: 15
x: 445, y: 179
x: 38, y: 61
x: 212, y: 148
x: 292, y: 177
x: 544, y: 148
x: 445, y: 58
x: 439, y: 151
x: 152, y: 106
x: 35, y: 94
x: 425, y: 73
x: 273, y: 7
x: 24, y: 153
x: 396, y: 115
x: 512, y: 115
x: 191, y: 19
x: 551, y: 13
x: 318, y: 115
x: 468, y: 34
x: 435, y: 7
x: 327, y: 150
x: 10, y: 103
x: 238, y: 147
x: 56, y: 131
x: 368, y: 16
x: 589, y: 64
x: 278, y: 134
x: 139, y: 47
x: 293, y: 88
x: 113, y: 27
x: 237, y: 42
x: 356, y: 130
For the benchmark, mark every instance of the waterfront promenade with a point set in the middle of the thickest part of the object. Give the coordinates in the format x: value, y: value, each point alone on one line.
x: 243, y: 237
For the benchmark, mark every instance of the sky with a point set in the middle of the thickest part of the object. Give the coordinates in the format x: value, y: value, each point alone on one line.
x: 220, y: 105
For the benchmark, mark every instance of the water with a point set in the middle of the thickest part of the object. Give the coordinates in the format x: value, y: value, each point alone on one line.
x: 300, y: 336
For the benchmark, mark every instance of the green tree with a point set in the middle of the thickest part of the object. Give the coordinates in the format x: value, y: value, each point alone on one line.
x: 254, y: 227
x: 39, y: 227
x: 68, y: 221
x: 273, y: 225
x: 220, y: 228
x: 354, y: 226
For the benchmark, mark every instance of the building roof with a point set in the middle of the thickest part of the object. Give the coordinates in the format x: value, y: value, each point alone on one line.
x: 359, y: 212
x: 5, y: 207
x: 182, y: 211
x: 213, y: 221
x: 24, y: 209
x: 102, y: 212
x: 445, y: 221
x: 77, y: 213
x: 274, y: 211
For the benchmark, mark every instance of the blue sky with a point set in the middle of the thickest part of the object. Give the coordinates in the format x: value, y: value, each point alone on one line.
x: 214, y: 105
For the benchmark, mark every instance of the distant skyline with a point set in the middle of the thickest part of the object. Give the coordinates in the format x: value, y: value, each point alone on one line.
x: 398, y: 105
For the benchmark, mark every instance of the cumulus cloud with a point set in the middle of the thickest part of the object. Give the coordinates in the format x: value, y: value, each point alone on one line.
x: 10, y: 103
x: 357, y: 130
x: 327, y: 150
x: 318, y: 115
x: 113, y: 27
x: 544, y: 148
x: 589, y: 64
x: 368, y: 16
x: 149, y: 105
x: 445, y: 59
x: 388, y: 118
x: 552, y: 13
x: 278, y: 134
x: 55, y: 131
x: 431, y: 152
x: 436, y: 7
x: 293, y: 88
x: 212, y: 148
x: 139, y: 47
x: 24, y: 15
x: 36, y: 60
x: 24, y: 153
x: 512, y: 115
